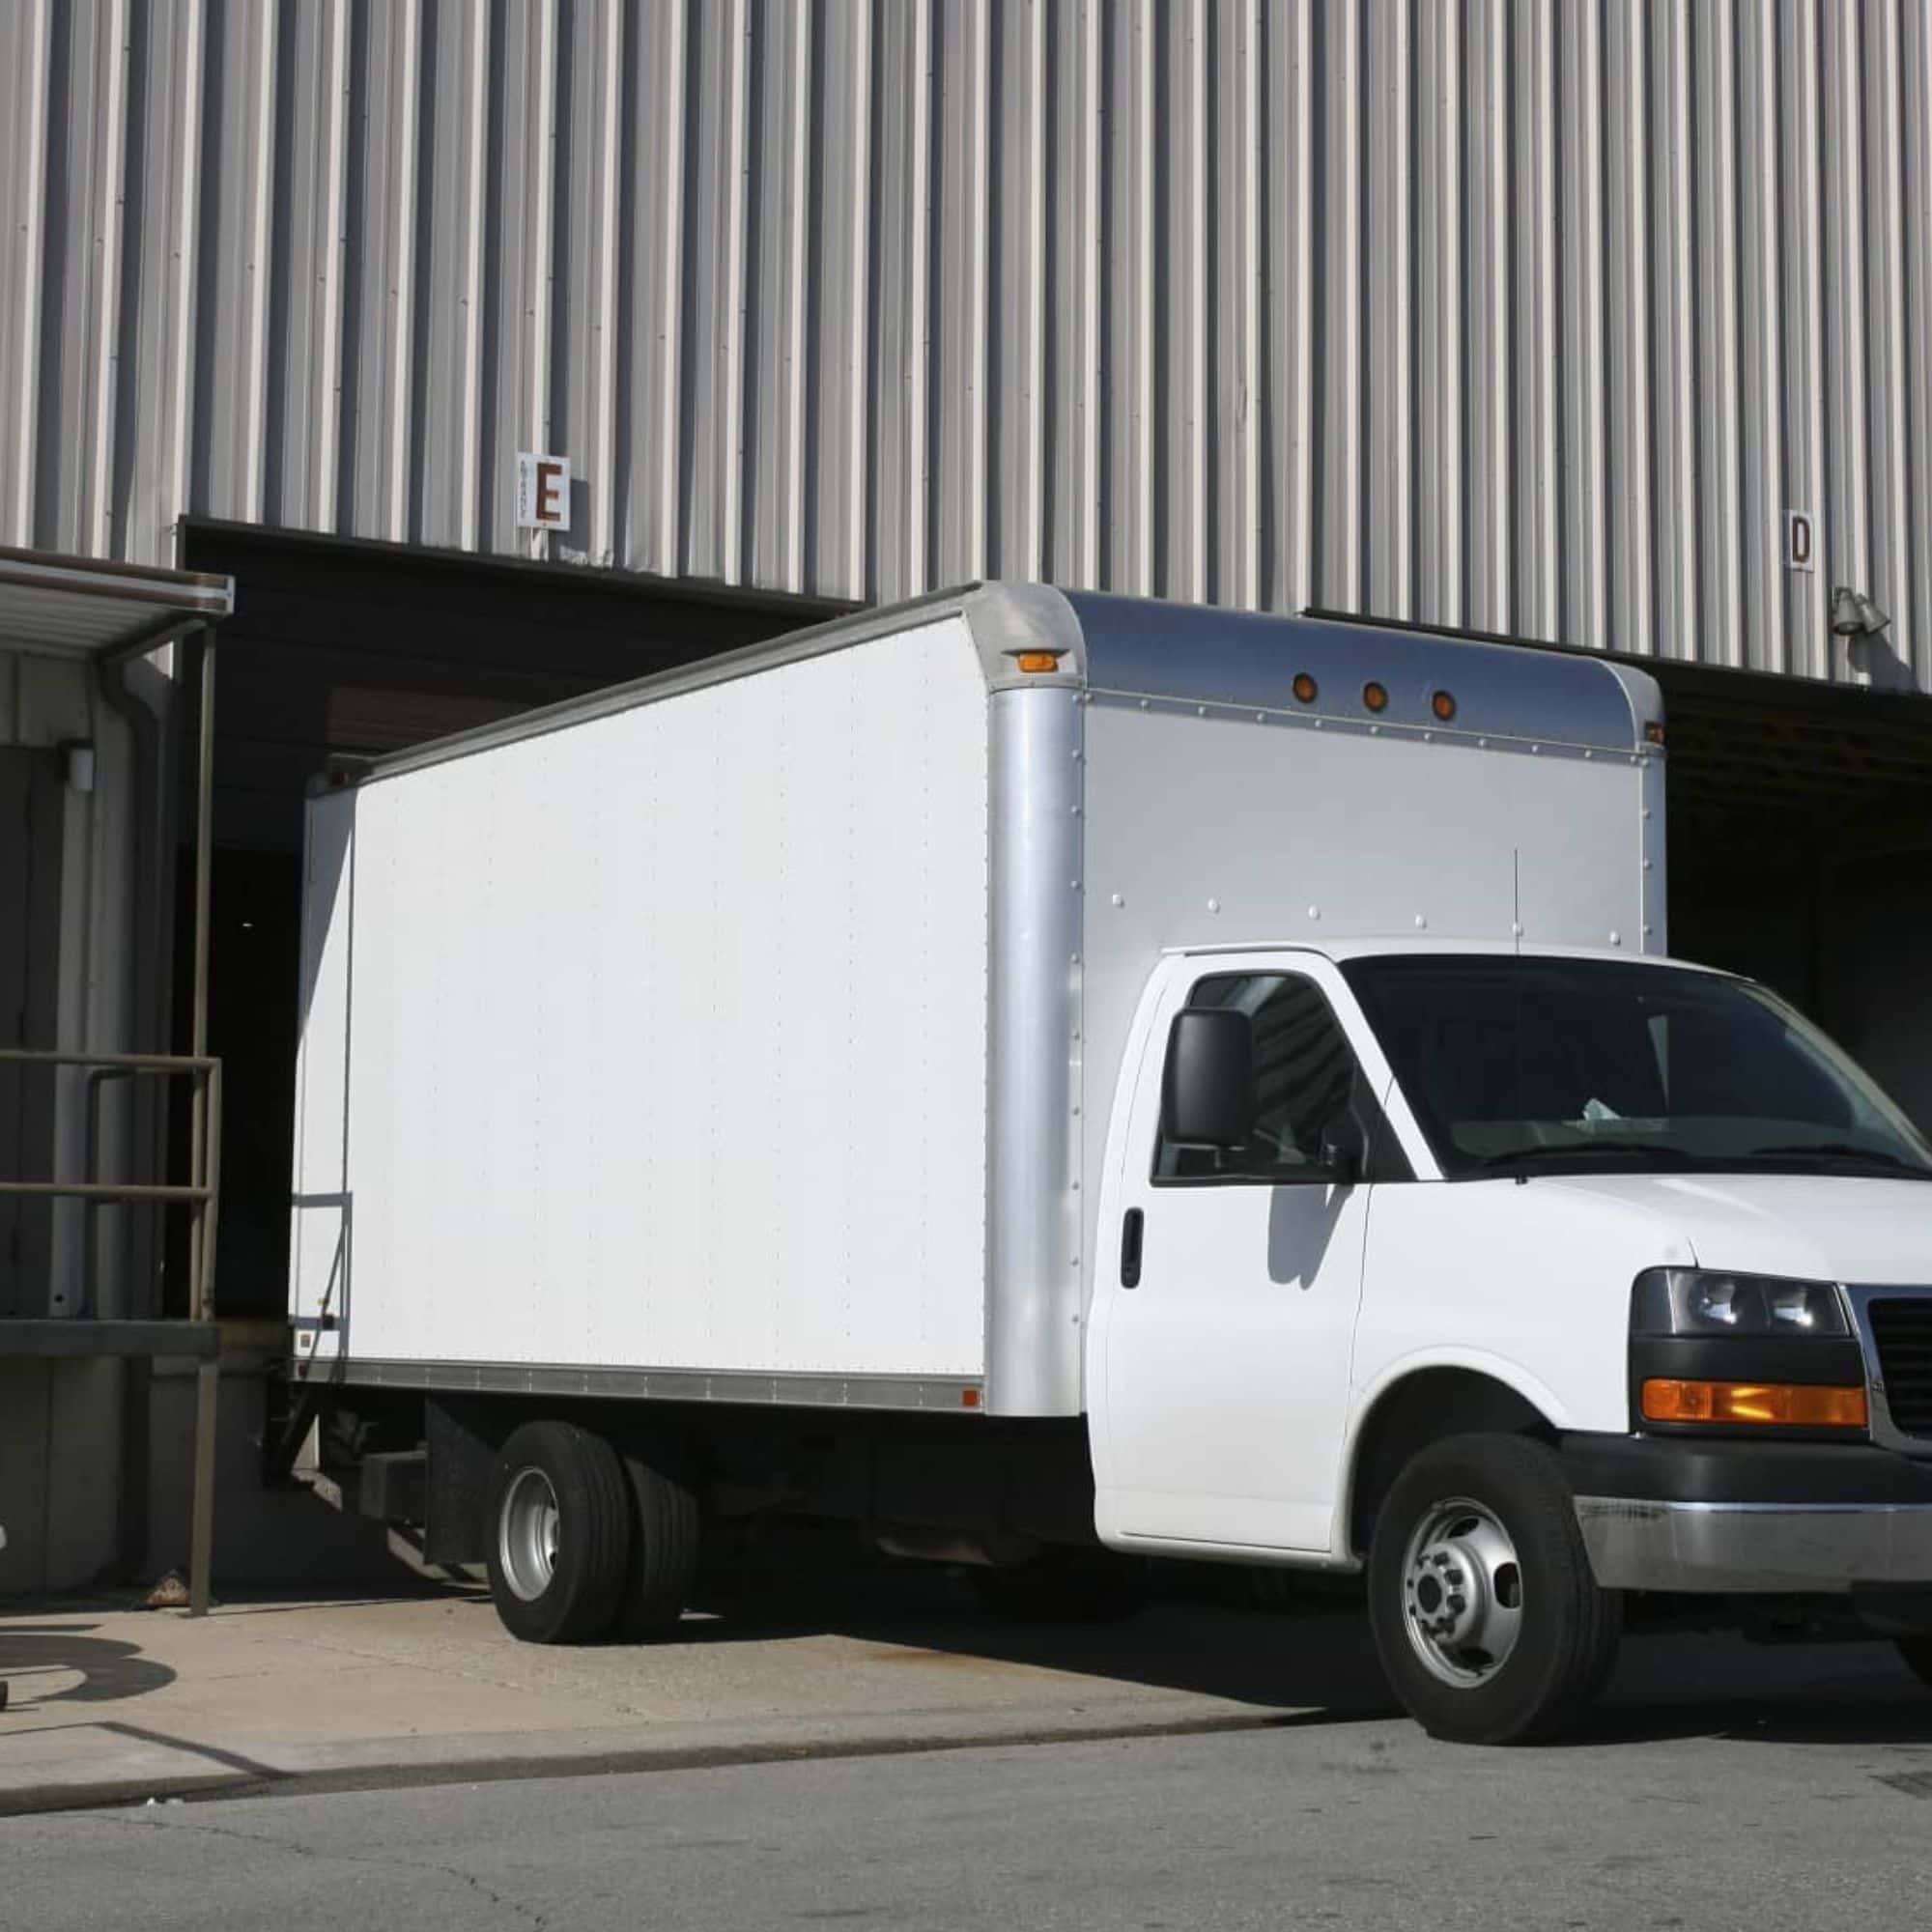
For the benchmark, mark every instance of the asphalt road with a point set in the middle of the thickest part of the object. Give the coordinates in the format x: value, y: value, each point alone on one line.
x: 1729, y: 1813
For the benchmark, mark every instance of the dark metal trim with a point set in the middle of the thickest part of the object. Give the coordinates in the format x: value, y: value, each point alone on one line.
x: 56, y: 1337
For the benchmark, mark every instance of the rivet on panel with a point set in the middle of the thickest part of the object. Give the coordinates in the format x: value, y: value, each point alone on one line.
x: 1421, y: 924
x: 1646, y: 865
x: 1201, y: 711
x: 1261, y: 718
x: 1536, y: 750
x: 1119, y: 900
x: 1516, y: 931
x: 1213, y: 905
x: 1375, y: 731
x: 1589, y: 754
x: 1427, y: 737
x: 1646, y: 811
x: 1314, y: 912
x: 1144, y: 705
x: 1648, y: 930
x: 1616, y: 939
x: 1482, y: 744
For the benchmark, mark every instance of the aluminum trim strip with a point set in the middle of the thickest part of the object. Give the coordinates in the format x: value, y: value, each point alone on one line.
x: 657, y: 1385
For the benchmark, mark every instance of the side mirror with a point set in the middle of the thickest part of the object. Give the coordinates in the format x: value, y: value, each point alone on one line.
x: 1207, y: 1095
x: 1345, y: 1147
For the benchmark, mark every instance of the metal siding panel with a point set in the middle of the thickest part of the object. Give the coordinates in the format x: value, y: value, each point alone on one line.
x: 1536, y: 316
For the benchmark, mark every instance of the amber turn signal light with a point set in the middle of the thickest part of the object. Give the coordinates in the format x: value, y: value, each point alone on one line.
x: 1375, y: 696
x: 1305, y: 688
x: 1037, y: 661
x: 1443, y: 704
x: 1776, y: 1404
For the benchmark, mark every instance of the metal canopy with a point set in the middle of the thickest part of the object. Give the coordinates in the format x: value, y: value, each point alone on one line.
x: 82, y: 607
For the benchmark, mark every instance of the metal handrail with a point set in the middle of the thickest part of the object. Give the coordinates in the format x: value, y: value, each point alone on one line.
x: 203, y: 1193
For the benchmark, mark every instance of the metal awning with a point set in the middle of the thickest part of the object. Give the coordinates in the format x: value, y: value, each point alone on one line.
x: 84, y: 606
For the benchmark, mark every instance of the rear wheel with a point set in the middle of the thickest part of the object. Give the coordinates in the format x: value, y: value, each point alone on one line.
x: 1065, y: 1587
x: 1488, y: 1623
x: 559, y: 1533
x: 664, y: 1536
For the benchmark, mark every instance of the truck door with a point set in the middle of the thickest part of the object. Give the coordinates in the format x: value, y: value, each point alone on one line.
x: 1229, y: 1282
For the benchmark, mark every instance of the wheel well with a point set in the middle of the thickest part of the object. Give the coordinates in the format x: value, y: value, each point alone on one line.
x: 1423, y: 1408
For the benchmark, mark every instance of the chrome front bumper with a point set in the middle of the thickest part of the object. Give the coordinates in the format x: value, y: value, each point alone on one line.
x: 1754, y: 1548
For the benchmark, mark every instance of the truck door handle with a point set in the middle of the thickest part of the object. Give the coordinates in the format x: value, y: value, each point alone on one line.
x: 1132, y: 1230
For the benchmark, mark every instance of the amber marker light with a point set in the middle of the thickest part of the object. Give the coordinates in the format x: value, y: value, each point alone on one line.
x: 1375, y: 696
x: 1652, y: 733
x: 1443, y: 704
x: 1037, y: 661
x: 1770, y: 1405
x: 1306, y: 690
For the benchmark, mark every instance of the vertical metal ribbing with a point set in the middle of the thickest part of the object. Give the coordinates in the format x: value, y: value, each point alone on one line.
x: 1452, y: 390
x: 610, y: 267
x: 97, y: 521
x: 1395, y: 155
x: 325, y: 452
x: 1195, y: 583
x: 260, y: 151
x: 859, y: 538
x: 1588, y: 538
x: 978, y: 317
x: 1885, y: 169
x: 406, y: 26
x: 1850, y: 552
x: 731, y: 304
x: 1809, y: 590
x: 796, y: 220
x: 1253, y: 271
x: 469, y: 395
x: 674, y: 215
x: 1717, y: 406
x: 1034, y: 403
x: 32, y: 88
x: 919, y: 319
x: 1305, y: 471
x: 1915, y: 159
x: 542, y: 202
x: 1093, y: 487
x: 1637, y: 604
x: 1143, y: 134
x: 1347, y: 424
x: 1688, y: 603
x: 1762, y: 543
x: 1503, y: 479
x: 1546, y: 477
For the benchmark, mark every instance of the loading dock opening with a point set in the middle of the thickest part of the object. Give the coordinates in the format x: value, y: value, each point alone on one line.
x: 341, y: 649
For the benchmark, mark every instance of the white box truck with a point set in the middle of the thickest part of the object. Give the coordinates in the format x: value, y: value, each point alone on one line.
x: 1058, y: 1080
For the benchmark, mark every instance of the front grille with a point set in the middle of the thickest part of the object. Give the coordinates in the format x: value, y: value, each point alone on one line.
x: 1902, y: 1328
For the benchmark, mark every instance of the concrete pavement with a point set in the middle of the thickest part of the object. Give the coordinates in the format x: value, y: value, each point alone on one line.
x: 115, y: 1704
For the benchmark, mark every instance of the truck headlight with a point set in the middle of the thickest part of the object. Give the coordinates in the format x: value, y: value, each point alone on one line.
x: 1698, y: 1301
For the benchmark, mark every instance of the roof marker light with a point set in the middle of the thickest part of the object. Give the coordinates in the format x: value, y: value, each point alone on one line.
x: 1375, y: 696
x: 1443, y: 704
x: 1306, y: 690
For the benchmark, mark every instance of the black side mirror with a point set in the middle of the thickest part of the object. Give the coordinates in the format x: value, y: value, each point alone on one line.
x: 1345, y: 1147
x: 1207, y: 1097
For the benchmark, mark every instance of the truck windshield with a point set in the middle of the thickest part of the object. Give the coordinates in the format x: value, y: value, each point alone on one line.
x: 1546, y: 1066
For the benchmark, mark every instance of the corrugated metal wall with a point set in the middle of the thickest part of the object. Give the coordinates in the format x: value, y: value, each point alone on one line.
x: 1530, y: 314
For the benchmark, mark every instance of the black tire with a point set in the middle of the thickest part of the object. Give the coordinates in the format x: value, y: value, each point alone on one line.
x: 572, y: 1596
x: 1065, y: 1587
x: 665, y: 1531
x: 1561, y: 1630
x: 1915, y: 1654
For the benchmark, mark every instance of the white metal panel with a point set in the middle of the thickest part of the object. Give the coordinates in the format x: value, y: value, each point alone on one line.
x: 670, y: 1032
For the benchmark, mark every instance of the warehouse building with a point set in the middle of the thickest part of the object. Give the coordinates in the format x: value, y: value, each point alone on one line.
x: 370, y: 368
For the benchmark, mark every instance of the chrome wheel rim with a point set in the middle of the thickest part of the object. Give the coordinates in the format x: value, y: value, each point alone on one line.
x: 1462, y: 1592
x: 527, y: 1535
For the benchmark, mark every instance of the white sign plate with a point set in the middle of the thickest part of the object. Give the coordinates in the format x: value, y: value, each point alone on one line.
x: 1801, y: 541
x: 543, y: 492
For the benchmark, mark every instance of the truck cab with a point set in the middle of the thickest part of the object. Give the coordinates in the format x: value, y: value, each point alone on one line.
x: 1521, y: 1278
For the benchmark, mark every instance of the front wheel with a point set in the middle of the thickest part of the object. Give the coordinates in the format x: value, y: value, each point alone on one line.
x: 1488, y: 1620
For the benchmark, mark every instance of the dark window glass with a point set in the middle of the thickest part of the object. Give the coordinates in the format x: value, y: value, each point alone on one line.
x: 1304, y: 1078
x: 1586, y: 1067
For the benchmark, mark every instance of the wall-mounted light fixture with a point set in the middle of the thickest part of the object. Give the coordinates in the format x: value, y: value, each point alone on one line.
x: 1854, y: 615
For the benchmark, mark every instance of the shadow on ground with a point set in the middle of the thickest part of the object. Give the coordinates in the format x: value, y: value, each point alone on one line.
x: 37, y: 1661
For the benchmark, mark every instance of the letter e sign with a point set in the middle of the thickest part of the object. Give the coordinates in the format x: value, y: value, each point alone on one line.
x: 543, y: 492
